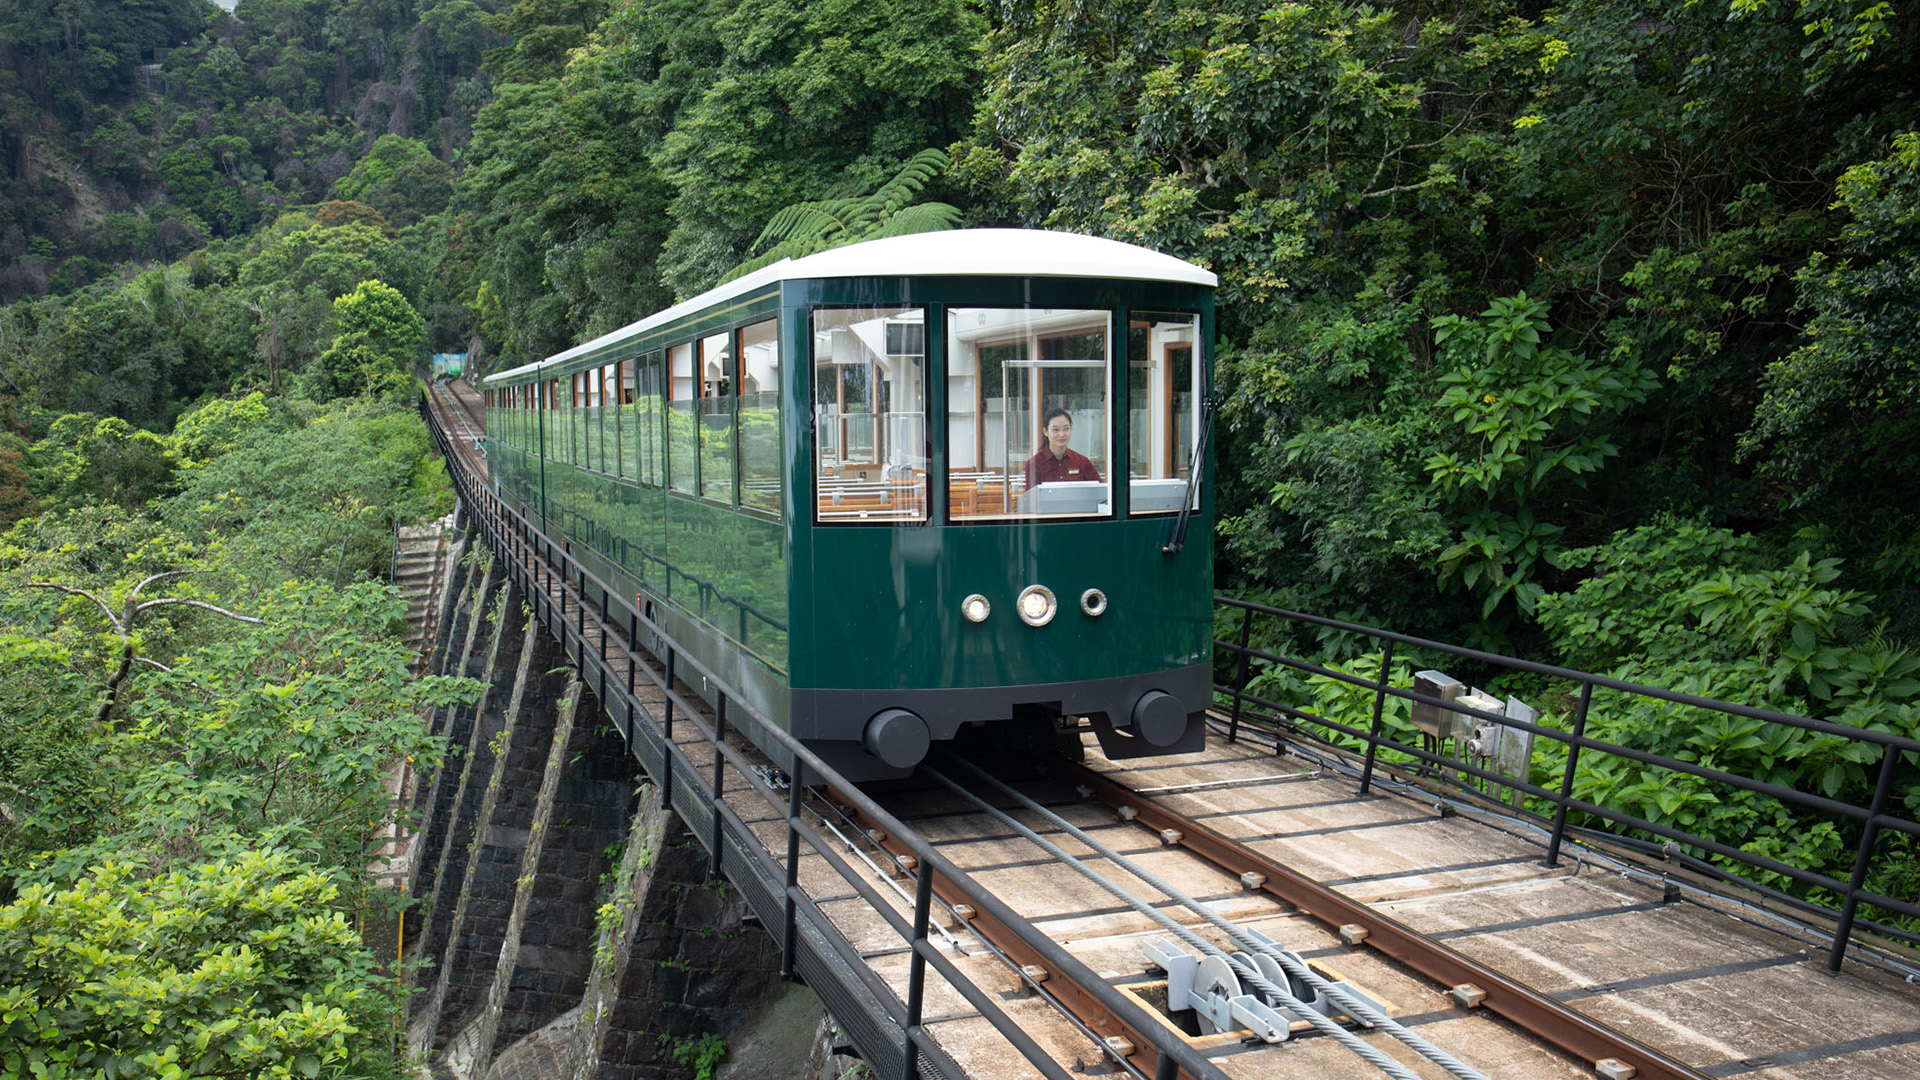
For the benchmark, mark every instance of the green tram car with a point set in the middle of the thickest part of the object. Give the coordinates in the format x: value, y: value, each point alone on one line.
x: 879, y: 491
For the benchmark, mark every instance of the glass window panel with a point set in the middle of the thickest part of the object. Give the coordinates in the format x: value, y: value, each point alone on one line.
x: 650, y: 411
x: 590, y: 419
x: 1164, y: 389
x: 579, y: 425
x: 716, y: 417
x: 609, y: 425
x: 870, y: 414
x: 682, y: 442
x: 1028, y: 412
x: 760, y: 416
x: 627, y: 428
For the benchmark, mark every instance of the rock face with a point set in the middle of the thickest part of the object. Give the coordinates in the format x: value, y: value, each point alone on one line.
x: 563, y: 923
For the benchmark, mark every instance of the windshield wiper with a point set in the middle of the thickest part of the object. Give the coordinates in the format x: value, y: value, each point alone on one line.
x: 1179, y: 537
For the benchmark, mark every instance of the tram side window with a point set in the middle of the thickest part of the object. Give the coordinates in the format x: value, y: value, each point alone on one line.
x: 651, y: 412
x: 575, y: 421
x: 1028, y: 415
x: 596, y: 434
x: 870, y: 414
x: 628, y: 429
x: 1164, y: 390
x: 587, y: 412
x: 682, y: 398
x: 759, y: 367
x: 609, y: 426
x: 716, y: 418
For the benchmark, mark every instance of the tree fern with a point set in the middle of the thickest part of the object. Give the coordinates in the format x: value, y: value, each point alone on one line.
x: 810, y: 227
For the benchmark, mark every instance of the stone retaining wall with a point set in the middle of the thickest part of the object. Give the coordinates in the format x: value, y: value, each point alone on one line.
x: 563, y: 924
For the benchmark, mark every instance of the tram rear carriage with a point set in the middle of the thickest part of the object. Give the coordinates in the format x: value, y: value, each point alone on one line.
x: 826, y: 481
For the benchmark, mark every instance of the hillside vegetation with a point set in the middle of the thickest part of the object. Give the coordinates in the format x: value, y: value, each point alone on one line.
x: 1588, y: 332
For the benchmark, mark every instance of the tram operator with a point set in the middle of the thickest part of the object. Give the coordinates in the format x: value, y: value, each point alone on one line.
x: 1056, y: 461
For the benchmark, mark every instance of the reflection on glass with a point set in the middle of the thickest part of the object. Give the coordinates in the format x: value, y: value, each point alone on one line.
x: 682, y: 442
x: 650, y: 416
x: 1027, y: 415
x: 870, y: 414
x: 716, y: 418
x: 610, y: 419
x: 589, y: 412
x: 1163, y: 407
x: 626, y: 428
x: 760, y: 417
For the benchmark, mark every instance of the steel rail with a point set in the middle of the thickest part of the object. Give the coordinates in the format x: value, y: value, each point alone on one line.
x: 1362, y: 1011
x: 1553, y: 1022
x: 1067, y: 993
x: 1242, y: 967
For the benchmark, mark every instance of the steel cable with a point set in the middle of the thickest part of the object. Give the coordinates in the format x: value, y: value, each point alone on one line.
x: 1353, y: 1005
x: 1324, y: 1024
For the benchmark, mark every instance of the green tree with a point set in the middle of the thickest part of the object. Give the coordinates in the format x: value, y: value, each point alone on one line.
x: 240, y: 967
x: 380, y: 339
x: 1535, y: 417
x: 809, y: 101
x: 1839, y: 422
x: 399, y: 178
x: 317, y: 501
x: 216, y: 427
x: 85, y: 457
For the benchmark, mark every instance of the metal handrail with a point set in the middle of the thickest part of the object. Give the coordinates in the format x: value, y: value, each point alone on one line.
x: 529, y: 553
x: 1873, y: 817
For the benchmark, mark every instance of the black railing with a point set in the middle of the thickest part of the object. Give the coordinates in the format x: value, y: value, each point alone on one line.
x: 887, y: 1030
x: 1550, y: 806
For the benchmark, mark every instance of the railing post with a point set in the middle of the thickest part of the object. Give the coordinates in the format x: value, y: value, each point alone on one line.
x: 1240, y: 681
x: 916, y: 972
x: 719, y: 777
x: 1566, y: 778
x: 1379, y: 713
x: 793, y: 875
x: 1862, y: 858
x: 666, y: 747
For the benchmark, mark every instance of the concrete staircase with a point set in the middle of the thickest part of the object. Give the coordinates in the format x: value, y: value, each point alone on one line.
x: 419, y: 572
x: 420, y: 554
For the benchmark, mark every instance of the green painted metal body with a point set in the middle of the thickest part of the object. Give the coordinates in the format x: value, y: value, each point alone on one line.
x: 777, y: 604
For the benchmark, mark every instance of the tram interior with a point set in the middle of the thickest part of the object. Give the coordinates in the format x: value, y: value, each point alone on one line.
x: 1008, y: 370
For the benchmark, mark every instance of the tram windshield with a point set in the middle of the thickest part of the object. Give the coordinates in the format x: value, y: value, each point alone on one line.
x: 1028, y: 420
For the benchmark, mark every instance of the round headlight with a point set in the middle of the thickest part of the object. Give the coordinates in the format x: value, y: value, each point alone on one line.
x: 1037, y: 605
x: 975, y: 608
x: 1093, y: 602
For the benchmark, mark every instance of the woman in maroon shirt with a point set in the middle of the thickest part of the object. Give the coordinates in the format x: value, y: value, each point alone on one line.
x: 1056, y: 461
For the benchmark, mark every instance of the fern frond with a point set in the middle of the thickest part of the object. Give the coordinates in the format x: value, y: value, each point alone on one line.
x: 910, y: 180
x: 806, y: 228
x: 821, y: 219
x: 925, y: 217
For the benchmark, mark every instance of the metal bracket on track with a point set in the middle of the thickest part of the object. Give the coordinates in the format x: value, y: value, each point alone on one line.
x: 1211, y: 988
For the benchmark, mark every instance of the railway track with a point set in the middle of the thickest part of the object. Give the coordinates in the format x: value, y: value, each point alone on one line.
x: 1317, y: 932
x: 457, y: 403
x: 1512, y: 968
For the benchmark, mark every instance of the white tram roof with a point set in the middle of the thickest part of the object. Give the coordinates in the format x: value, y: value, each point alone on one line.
x: 959, y: 252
